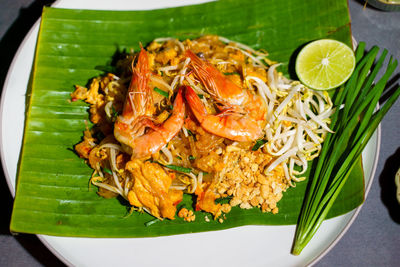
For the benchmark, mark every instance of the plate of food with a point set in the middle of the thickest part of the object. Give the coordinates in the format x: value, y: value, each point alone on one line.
x: 209, y: 158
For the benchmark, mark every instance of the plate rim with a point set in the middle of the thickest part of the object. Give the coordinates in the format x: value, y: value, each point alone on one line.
x: 47, y: 242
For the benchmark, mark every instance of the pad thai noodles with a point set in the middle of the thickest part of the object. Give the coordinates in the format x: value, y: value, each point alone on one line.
x: 209, y: 117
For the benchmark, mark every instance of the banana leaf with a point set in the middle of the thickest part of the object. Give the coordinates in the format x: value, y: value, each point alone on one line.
x: 53, y: 195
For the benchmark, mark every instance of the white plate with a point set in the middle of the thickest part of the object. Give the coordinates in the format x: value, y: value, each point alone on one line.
x: 241, y: 246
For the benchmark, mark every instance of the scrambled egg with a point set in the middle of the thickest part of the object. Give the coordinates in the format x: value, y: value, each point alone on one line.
x: 150, y: 189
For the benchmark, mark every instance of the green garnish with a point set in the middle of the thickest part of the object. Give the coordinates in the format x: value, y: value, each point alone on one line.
x: 107, y: 170
x: 115, y: 113
x: 179, y: 157
x: 201, y: 96
x: 223, y: 200
x: 161, y: 92
x: 231, y: 73
x: 178, y: 168
x: 190, y: 132
x: 191, y: 157
x: 353, y: 126
x: 258, y: 144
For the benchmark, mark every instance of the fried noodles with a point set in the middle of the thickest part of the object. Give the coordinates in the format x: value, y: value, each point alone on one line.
x: 209, y: 117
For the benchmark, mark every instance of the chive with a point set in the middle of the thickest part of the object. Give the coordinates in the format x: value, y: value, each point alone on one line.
x: 231, y: 73
x: 190, y: 132
x: 192, y: 157
x: 178, y: 168
x: 223, y: 200
x: 178, y: 157
x: 115, y: 113
x: 171, y: 107
x: 161, y: 92
x: 156, y: 220
x: 107, y: 170
x: 201, y: 96
x: 258, y: 144
x: 353, y: 126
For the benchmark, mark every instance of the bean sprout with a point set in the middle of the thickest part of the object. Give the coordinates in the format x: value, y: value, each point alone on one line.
x: 297, y: 121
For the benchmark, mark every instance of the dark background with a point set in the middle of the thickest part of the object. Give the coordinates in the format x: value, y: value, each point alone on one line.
x: 374, y: 237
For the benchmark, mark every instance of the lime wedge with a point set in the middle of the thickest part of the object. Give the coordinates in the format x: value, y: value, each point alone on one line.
x: 325, y: 64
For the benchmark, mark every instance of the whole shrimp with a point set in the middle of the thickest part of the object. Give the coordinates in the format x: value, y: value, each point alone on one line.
x: 242, y: 113
x: 230, y: 125
x: 135, y: 127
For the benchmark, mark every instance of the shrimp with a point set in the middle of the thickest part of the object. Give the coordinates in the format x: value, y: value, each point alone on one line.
x: 242, y: 113
x: 159, y: 135
x: 135, y: 128
x: 234, y: 126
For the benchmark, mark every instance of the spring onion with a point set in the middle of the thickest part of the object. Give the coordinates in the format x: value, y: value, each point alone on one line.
x: 114, y: 112
x: 161, y: 92
x: 231, y: 73
x: 107, y: 170
x: 353, y: 126
x: 178, y: 168
x: 258, y: 144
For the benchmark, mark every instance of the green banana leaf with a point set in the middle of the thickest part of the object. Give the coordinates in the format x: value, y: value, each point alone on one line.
x: 53, y: 195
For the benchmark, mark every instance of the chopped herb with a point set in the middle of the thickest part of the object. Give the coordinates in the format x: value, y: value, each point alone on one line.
x: 171, y: 107
x: 161, y: 92
x: 231, y: 73
x: 178, y: 157
x: 258, y: 144
x: 107, y: 170
x: 178, y: 168
x: 223, y: 200
x: 201, y: 96
x: 190, y: 132
x: 115, y: 113
x: 191, y: 157
x: 156, y: 220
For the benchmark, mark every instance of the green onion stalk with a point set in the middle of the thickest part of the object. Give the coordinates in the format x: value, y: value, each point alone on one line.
x: 354, y: 122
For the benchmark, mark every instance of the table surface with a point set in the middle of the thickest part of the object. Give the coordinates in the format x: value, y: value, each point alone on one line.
x: 374, y: 237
